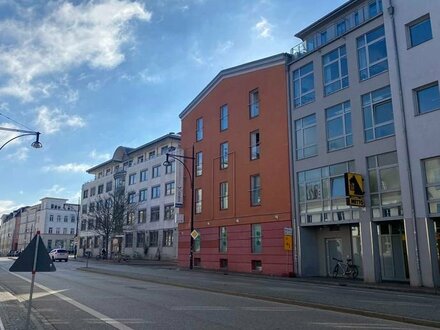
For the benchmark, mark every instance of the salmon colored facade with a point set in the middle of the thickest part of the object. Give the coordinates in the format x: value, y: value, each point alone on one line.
x: 234, y: 234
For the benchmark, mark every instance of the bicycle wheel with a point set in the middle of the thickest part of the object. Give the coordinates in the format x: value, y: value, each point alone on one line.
x: 336, y: 271
x: 354, y: 271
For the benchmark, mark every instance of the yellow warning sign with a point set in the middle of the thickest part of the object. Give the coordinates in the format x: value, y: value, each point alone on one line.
x: 354, y: 189
x: 288, y: 242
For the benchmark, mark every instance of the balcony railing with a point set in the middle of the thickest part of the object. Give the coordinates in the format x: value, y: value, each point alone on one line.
x: 348, y: 23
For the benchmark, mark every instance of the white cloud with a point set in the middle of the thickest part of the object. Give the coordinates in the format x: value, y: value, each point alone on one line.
x: 19, y: 155
x: 95, y: 155
x: 91, y: 33
x: 223, y: 47
x: 7, y: 206
x: 51, y: 121
x: 69, y: 168
x: 53, y: 191
x: 263, y: 28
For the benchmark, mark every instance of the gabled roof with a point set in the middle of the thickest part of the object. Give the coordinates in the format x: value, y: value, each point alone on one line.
x: 236, y: 70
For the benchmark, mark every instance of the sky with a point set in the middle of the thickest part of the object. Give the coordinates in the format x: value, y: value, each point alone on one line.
x: 94, y: 75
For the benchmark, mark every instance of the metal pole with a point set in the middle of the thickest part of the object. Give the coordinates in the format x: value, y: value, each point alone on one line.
x: 191, y: 253
x: 34, y: 268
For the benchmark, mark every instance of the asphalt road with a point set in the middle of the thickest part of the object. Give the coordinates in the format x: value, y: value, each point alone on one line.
x: 73, y: 299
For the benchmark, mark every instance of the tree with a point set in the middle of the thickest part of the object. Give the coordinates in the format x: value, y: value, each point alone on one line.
x: 112, y: 214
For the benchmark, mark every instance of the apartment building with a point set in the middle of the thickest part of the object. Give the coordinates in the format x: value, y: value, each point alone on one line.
x: 363, y: 99
x: 150, y: 226
x: 9, y: 229
x: 237, y: 134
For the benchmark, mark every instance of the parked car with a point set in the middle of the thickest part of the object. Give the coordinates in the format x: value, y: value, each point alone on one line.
x: 59, y: 254
x: 13, y: 253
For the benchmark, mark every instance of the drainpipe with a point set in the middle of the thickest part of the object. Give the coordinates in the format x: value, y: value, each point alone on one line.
x: 405, y: 135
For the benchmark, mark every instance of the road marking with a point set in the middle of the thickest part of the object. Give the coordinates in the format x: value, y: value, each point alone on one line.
x: 104, y: 318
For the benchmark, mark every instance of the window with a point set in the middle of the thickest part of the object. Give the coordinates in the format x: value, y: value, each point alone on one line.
x: 303, y: 85
x: 198, y: 201
x: 372, y: 53
x: 85, y: 193
x: 51, y: 216
x: 142, y: 195
x: 143, y: 176
x: 171, y: 168
x: 419, y: 31
x: 155, y: 192
x: 83, y: 225
x: 92, y: 207
x: 51, y: 229
x: 255, y: 145
x: 384, y: 183
x: 223, y: 240
x: 338, y: 120
x: 256, y: 238
x: 153, y: 238
x: 66, y: 218
x: 140, y: 159
x: 224, y: 117
x: 151, y: 154
x: 341, y: 27
x: 167, y: 237
x: 169, y: 188
x: 57, y: 230
x: 432, y: 179
x: 72, y: 231
x: 108, y: 186
x: 306, y: 137
x: 197, y: 243
x: 58, y: 218
x: 199, y: 163
x: 128, y: 240
x: 140, y: 239
x: 72, y: 218
x: 132, y: 179
x: 130, y: 218
x: 131, y: 197
x: 142, y: 216
x: 428, y: 98
x: 224, y: 155
x: 378, y: 114
x: 255, y: 190
x: 335, y: 70
x: 156, y: 171
x: 168, y: 212
x: 100, y: 189
x: 224, y: 196
x: 155, y: 213
x: 164, y: 150
x: 93, y: 191
x: 199, y: 129
x: 254, y: 104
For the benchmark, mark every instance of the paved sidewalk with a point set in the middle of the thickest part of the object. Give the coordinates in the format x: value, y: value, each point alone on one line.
x: 395, y: 302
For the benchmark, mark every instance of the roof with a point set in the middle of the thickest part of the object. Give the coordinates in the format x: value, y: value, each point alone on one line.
x: 123, y: 153
x: 236, y: 70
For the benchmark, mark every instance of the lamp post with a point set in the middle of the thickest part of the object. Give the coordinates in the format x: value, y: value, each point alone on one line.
x: 191, y: 178
x: 36, y: 144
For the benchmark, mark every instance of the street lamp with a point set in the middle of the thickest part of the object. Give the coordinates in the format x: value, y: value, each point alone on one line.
x: 36, y: 144
x: 191, y: 178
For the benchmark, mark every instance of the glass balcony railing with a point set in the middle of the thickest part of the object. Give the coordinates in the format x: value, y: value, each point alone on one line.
x: 346, y: 24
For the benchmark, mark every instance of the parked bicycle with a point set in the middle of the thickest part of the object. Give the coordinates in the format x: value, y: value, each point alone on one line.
x: 346, y: 269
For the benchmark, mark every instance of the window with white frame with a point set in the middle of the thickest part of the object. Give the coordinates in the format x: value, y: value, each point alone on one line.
x: 132, y: 179
x: 51, y: 216
x: 338, y: 120
x: 372, y: 53
x: 384, y: 183
x: 143, y: 175
x: 224, y: 195
x: 306, y: 137
x: 151, y: 154
x: 428, y: 98
x: 199, y: 163
x: 432, y: 179
x: 255, y: 191
x: 156, y: 171
x: 223, y: 239
x: 335, y: 70
x: 142, y: 195
x: 168, y: 212
x: 130, y: 218
x: 51, y: 229
x: 224, y: 117
x: 419, y: 31
x: 131, y: 197
x: 155, y: 192
x: 167, y: 237
x: 378, y: 114
x: 199, y: 129
x: 255, y: 145
x: 142, y: 216
x: 140, y: 159
x: 58, y: 218
x: 155, y: 213
x: 224, y: 155
x: 254, y: 103
x: 198, y: 200
x: 169, y: 188
x: 303, y: 85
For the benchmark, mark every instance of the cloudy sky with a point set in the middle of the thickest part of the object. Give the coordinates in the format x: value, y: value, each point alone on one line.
x: 93, y: 75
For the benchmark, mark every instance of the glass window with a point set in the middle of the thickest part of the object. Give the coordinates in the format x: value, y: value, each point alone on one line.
x: 153, y: 238
x: 84, y: 207
x: 143, y: 176
x: 169, y: 188
x: 130, y: 218
x: 163, y: 150
x: 100, y: 189
x: 335, y: 70
x: 155, y: 213
x: 156, y: 171
x: 85, y: 193
x: 224, y: 117
x: 199, y: 129
x: 378, y: 114
x: 142, y: 195
x: 420, y: 31
x: 256, y: 238
x: 167, y: 237
x: 108, y: 186
x: 428, y: 98
x: 199, y: 163
x: 140, y: 239
x: 223, y: 241
x: 169, y: 212
x: 128, y: 240
x: 131, y: 197
x: 341, y: 27
x: 338, y: 120
x: 198, y: 197
x: 93, y: 191
x: 132, y: 179
x: 255, y: 190
x: 224, y: 196
x: 303, y: 85
x: 224, y: 155
x: 140, y: 159
x: 306, y: 137
x: 151, y: 154
x: 171, y: 168
x: 155, y: 192
x: 254, y: 104
x: 372, y: 53
x: 255, y: 145
x: 142, y: 216
x: 432, y: 178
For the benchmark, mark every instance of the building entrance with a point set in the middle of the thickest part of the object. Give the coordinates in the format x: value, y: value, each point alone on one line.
x: 333, y: 249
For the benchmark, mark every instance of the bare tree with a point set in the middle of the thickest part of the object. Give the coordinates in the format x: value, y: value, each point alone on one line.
x: 112, y: 214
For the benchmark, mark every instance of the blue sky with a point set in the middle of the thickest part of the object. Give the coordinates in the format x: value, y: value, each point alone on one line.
x: 93, y: 75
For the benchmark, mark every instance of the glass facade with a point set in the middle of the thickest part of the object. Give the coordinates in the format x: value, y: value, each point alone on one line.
x: 306, y: 137
x: 338, y: 121
x: 372, y: 53
x: 303, y: 85
x: 335, y: 70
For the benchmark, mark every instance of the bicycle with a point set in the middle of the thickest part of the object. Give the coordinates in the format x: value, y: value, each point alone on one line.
x: 346, y: 269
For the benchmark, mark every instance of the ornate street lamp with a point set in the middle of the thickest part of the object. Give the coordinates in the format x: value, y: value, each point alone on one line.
x: 191, y: 178
x: 36, y: 144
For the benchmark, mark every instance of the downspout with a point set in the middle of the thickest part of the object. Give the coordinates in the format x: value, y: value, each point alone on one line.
x: 407, y: 154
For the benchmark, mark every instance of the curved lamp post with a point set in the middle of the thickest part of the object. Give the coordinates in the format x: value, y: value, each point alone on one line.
x: 191, y: 178
x: 36, y: 144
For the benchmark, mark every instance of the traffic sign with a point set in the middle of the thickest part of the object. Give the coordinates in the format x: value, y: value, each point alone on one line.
x: 288, y: 242
x: 194, y: 234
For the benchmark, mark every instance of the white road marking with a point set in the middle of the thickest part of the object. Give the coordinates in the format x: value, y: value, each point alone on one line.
x: 114, y: 323
x: 357, y: 325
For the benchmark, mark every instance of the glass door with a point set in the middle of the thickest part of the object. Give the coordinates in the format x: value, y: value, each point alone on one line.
x: 333, y: 247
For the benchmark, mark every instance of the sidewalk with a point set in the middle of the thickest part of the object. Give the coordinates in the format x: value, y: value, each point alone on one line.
x: 396, y: 302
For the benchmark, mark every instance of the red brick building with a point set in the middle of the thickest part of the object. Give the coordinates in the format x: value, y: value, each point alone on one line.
x: 238, y: 126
